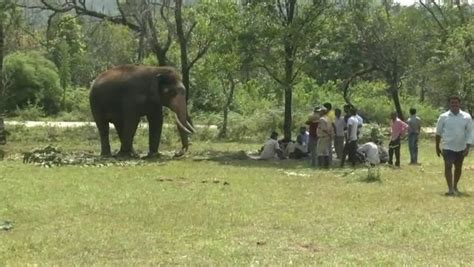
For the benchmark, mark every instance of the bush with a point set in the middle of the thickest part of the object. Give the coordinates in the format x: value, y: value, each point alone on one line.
x: 31, y: 78
x: 77, y: 106
x: 31, y: 112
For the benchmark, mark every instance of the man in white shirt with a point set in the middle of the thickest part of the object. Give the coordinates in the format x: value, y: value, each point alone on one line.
x: 371, y: 153
x: 454, y: 129
x: 271, y: 148
x: 351, y: 143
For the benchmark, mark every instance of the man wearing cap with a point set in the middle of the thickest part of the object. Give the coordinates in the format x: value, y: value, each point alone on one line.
x: 325, y: 133
x: 312, y: 122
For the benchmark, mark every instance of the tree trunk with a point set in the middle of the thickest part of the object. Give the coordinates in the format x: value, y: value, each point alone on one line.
x: 288, y: 91
x: 141, y: 48
x: 396, y: 101
x: 2, y: 89
x: 182, y: 45
x: 422, y: 89
x: 288, y: 119
x: 223, y: 131
x: 229, y: 99
x: 289, y: 64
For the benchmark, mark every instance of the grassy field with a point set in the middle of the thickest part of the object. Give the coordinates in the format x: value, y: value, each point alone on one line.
x: 211, y: 208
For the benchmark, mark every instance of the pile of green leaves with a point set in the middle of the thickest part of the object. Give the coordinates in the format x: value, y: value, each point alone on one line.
x: 51, y: 156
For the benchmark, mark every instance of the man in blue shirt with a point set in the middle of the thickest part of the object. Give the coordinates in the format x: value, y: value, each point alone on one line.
x: 454, y: 129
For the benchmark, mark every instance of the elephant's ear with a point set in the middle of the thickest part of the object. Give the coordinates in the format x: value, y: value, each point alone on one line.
x: 161, y: 80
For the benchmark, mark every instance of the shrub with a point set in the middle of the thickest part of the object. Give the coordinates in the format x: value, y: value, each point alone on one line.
x: 77, y: 106
x: 31, y: 112
x: 31, y: 78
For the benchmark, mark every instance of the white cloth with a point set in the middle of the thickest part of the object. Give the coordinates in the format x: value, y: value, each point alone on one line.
x: 371, y: 152
x: 339, y: 124
x: 270, y: 149
x: 353, y: 122
x: 455, y: 130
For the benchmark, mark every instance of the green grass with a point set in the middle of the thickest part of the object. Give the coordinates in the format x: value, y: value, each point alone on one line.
x: 211, y: 209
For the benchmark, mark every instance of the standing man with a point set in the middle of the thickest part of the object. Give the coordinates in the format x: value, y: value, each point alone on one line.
x: 325, y: 133
x: 312, y: 122
x: 454, y: 129
x: 414, y: 129
x: 331, y: 117
x: 351, y: 143
x: 339, y: 126
x: 397, y: 129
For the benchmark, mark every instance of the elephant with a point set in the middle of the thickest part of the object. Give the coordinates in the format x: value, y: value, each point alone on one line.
x: 123, y: 94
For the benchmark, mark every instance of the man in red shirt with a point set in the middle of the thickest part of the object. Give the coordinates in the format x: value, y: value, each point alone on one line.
x: 397, y: 129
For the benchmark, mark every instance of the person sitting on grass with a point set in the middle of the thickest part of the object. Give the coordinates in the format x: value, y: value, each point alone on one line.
x: 301, y: 144
x: 271, y: 149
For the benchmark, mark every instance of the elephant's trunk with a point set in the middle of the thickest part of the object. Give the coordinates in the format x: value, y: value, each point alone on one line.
x: 178, y: 105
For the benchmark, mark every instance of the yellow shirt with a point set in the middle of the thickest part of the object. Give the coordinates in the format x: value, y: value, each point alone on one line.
x: 331, y: 116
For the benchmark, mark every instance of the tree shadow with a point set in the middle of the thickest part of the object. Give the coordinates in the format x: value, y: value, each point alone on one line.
x: 243, y: 159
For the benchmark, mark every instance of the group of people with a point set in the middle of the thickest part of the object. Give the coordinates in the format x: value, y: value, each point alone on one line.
x: 330, y: 131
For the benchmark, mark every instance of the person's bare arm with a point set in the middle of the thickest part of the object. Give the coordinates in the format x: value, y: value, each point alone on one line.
x: 438, y: 141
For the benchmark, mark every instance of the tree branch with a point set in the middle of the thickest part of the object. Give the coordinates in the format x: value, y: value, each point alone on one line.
x: 434, y: 17
x: 200, y: 54
x: 81, y: 9
x: 273, y: 75
x: 345, y: 85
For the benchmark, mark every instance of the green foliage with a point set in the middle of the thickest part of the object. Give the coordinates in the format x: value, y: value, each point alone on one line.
x: 67, y: 49
x: 31, y: 79
x: 30, y: 112
x: 108, y: 45
x: 77, y: 106
x: 63, y: 61
x: 453, y: 68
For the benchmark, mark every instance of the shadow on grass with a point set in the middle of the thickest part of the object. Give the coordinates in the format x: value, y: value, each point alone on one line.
x: 242, y: 159
x: 460, y: 195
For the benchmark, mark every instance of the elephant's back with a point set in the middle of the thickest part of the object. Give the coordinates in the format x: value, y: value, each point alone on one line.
x: 121, y: 77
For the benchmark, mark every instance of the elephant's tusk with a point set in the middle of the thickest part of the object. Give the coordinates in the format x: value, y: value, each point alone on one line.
x: 190, y: 127
x: 181, y: 125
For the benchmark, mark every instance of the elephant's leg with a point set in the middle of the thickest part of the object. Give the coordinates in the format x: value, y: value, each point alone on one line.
x: 130, y: 124
x: 155, y: 126
x: 119, y: 129
x: 103, y: 127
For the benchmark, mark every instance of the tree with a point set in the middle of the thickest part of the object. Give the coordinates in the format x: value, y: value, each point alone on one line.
x: 184, y: 32
x: 224, y: 62
x: 283, y: 34
x: 141, y: 16
x: 138, y: 15
x: 7, y: 13
x: 388, y: 45
x: 449, y: 66
x: 107, y: 44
